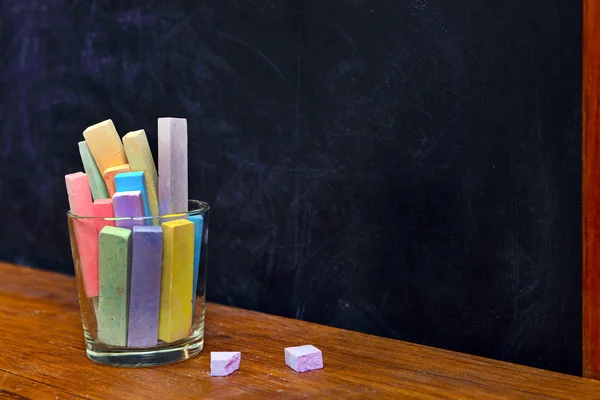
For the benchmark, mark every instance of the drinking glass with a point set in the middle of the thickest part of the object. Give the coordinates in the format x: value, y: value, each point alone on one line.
x: 142, y: 285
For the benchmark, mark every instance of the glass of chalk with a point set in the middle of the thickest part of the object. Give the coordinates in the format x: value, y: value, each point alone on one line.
x: 141, y: 282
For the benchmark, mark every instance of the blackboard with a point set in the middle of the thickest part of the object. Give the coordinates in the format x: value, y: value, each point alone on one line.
x: 410, y: 169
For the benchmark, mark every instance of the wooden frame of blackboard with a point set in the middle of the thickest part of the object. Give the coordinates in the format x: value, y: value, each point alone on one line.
x: 591, y: 189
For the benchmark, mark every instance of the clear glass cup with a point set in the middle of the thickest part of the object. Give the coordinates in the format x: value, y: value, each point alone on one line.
x: 141, y: 297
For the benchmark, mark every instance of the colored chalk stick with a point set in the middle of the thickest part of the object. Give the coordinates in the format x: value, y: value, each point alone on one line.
x: 97, y: 184
x: 105, y: 145
x: 175, y: 315
x: 109, y: 177
x: 128, y: 204
x: 140, y: 159
x: 103, y: 208
x: 172, y: 165
x: 80, y: 204
x: 129, y: 181
x: 198, y: 221
x: 144, y: 295
x: 303, y: 358
x: 223, y: 363
x: 114, y: 268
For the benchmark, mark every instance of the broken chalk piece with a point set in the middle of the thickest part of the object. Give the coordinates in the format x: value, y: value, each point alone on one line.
x: 128, y: 204
x: 103, y: 208
x: 175, y: 315
x: 114, y: 245
x: 105, y: 145
x: 223, y: 363
x: 80, y: 204
x: 129, y: 181
x: 140, y: 159
x: 97, y: 184
x: 303, y: 358
x: 144, y: 295
x: 172, y: 165
x: 109, y: 177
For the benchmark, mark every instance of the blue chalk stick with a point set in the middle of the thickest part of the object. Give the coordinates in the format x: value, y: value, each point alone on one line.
x: 128, y: 181
x: 198, y: 221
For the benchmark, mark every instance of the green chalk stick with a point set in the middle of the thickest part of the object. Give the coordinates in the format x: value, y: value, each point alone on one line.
x: 91, y: 169
x: 114, y: 269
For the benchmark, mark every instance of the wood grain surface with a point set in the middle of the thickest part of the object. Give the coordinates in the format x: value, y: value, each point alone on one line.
x: 591, y: 189
x: 42, y: 356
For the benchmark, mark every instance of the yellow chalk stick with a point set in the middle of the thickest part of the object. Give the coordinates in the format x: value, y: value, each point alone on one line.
x: 109, y: 177
x: 177, y: 281
x: 140, y: 159
x: 105, y: 145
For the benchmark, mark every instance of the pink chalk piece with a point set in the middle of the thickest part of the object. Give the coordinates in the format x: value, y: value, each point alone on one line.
x: 223, y: 363
x: 128, y: 204
x: 80, y: 204
x: 103, y: 208
x: 303, y: 358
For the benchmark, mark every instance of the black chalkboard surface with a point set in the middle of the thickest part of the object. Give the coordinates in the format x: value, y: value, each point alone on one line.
x: 407, y: 168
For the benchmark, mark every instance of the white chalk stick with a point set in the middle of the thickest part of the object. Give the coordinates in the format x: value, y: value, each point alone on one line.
x: 172, y: 165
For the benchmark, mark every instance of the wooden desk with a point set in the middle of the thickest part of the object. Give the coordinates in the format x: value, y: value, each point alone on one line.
x: 42, y: 356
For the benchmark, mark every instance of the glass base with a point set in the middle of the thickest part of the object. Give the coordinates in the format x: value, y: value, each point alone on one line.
x: 166, y: 354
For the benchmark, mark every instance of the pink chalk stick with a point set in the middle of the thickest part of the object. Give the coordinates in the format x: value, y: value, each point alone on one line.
x: 128, y: 204
x: 103, y: 208
x: 80, y: 204
x: 303, y: 358
x: 223, y: 363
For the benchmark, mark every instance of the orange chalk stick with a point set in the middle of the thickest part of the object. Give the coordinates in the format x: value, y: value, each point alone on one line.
x: 109, y: 177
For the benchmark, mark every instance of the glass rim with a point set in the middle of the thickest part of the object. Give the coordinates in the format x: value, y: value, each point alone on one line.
x: 199, y: 207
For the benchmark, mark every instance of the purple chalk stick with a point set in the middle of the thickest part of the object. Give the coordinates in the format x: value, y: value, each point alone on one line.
x: 128, y: 204
x: 144, y: 297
